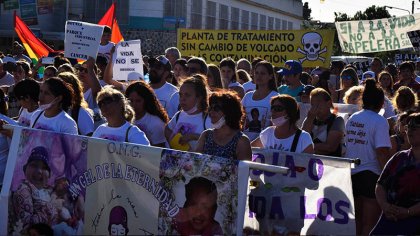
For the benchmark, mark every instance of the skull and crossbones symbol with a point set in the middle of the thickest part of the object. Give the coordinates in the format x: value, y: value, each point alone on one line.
x: 312, y: 42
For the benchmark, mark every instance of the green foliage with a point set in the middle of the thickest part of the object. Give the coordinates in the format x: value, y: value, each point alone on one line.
x: 306, y: 12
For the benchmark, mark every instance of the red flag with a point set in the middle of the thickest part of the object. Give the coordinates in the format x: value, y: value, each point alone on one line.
x: 34, y: 46
x: 110, y: 20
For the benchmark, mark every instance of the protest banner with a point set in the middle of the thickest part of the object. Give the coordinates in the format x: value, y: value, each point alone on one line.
x: 82, y: 39
x: 315, y: 197
x: 407, y: 56
x: 310, y: 48
x: 128, y: 61
x: 81, y: 185
x: 367, y: 36
x: 415, y: 39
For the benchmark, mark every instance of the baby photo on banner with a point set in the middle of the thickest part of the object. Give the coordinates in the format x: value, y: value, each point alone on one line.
x: 203, y: 194
x: 47, y: 164
x: 314, y: 198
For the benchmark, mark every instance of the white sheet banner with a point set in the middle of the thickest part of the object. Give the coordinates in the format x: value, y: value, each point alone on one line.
x: 315, y: 197
x: 128, y: 61
x: 367, y: 36
x: 82, y: 39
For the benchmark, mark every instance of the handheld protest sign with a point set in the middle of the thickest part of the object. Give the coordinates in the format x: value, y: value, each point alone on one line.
x: 128, y: 61
x: 82, y: 39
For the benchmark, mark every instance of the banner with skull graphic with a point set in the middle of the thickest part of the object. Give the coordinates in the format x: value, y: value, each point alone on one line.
x: 276, y: 46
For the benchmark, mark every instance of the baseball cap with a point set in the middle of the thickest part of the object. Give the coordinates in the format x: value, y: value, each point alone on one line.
x: 162, y: 60
x: 9, y: 59
x: 306, y: 90
x: 291, y: 67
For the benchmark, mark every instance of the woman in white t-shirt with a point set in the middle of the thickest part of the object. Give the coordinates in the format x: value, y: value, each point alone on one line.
x: 229, y: 76
x: 367, y: 138
x: 79, y: 111
x: 150, y: 116
x: 55, y: 98
x: 185, y: 127
x: 257, y: 103
x: 119, y: 115
x: 285, y: 135
x: 27, y: 93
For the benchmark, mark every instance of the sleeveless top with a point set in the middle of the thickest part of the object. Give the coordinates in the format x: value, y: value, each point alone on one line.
x: 227, y: 151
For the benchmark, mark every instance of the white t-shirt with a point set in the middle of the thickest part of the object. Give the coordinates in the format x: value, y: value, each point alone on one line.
x: 62, y: 123
x: 7, y: 79
x: 105, y: 50
x: 255, y: 126
x: 25, y: 117
x: 85, y: 122
x: 164, y: 95
x: 153, y: 127
x: 189, y: 124
x: 174, y: 105
x: 269, y: 140
x: 389, y: 109
x: 89, y: 99
x: 4, y: 147
x: 366, y: 130
x: 249, y: 86
x: 135, y: 135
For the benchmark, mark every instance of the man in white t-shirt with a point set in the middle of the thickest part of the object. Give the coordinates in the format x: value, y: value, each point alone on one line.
x: 159, y: 72
x: 5, y: 77
x: 106, y: 45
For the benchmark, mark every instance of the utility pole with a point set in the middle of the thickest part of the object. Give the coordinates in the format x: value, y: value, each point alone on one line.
x: 412, y: 7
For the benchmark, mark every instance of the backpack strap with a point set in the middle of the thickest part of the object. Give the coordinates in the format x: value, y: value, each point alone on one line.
x: 126, y: 133
x: 204, y: 120
x: 295, y: 140
x: 177, y: 116
x: 33, y: 125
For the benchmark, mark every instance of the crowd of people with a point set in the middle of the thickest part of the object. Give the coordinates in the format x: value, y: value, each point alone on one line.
x: 186, y: 104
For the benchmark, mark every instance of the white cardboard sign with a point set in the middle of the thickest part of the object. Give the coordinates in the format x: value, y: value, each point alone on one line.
x: 82, y: 39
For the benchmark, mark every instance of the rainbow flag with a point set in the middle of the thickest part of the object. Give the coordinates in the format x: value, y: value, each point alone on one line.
x: 110, y: 20
x: 34, y: 46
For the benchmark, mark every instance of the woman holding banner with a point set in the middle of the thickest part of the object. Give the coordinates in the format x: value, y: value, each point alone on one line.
x: 397, y: 190
x: 285, y: 135
x: 225, y: 139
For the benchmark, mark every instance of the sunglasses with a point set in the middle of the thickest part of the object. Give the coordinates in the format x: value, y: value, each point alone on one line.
x: 346, y: 77
x: 277, y: 108
x: 82, y: 69
x: 215, y: 108
x: 105, y: 101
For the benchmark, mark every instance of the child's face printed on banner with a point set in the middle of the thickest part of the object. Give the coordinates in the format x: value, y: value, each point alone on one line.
x: 117, y: 229
x: 201, y: 209
x: 37, y: 173
x: 137, y: 102
x: 262, y: 76
x: 187, y: 97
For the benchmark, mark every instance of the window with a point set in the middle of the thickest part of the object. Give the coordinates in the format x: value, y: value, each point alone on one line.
x: 196, y: 14
x: 223, y: 17
x: 234, y: 16
x: 284, y: 25
x: 175, y: 8
x: 245, y: 20
x: 254, y: 21
x: 95, y: 10
x: 211, y: 15
x: 290, y: 25
x: 270, y: 23
x: 263, y: 22
x: 278, y: 24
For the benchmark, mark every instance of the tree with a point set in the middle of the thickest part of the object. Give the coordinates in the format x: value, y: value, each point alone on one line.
x: 307, y: 12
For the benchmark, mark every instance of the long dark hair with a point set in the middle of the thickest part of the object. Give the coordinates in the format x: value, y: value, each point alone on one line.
x: 269, y: 67
x: 373, y: 95
x: 151, y: 103
x: 59, y: 87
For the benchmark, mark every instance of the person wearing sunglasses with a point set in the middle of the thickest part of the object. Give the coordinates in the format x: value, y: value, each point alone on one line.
x: 348, y: 79
x: 326, y: 128
x: 367, y: 138
x: 260, y: 98
x: 225, y: 138
x: 284, y: 135
x: 397, y: 190
x: 119, y: 115
x: 55, y: 98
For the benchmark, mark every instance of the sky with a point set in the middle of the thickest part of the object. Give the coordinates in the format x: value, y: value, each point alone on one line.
x: 324, y: 12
